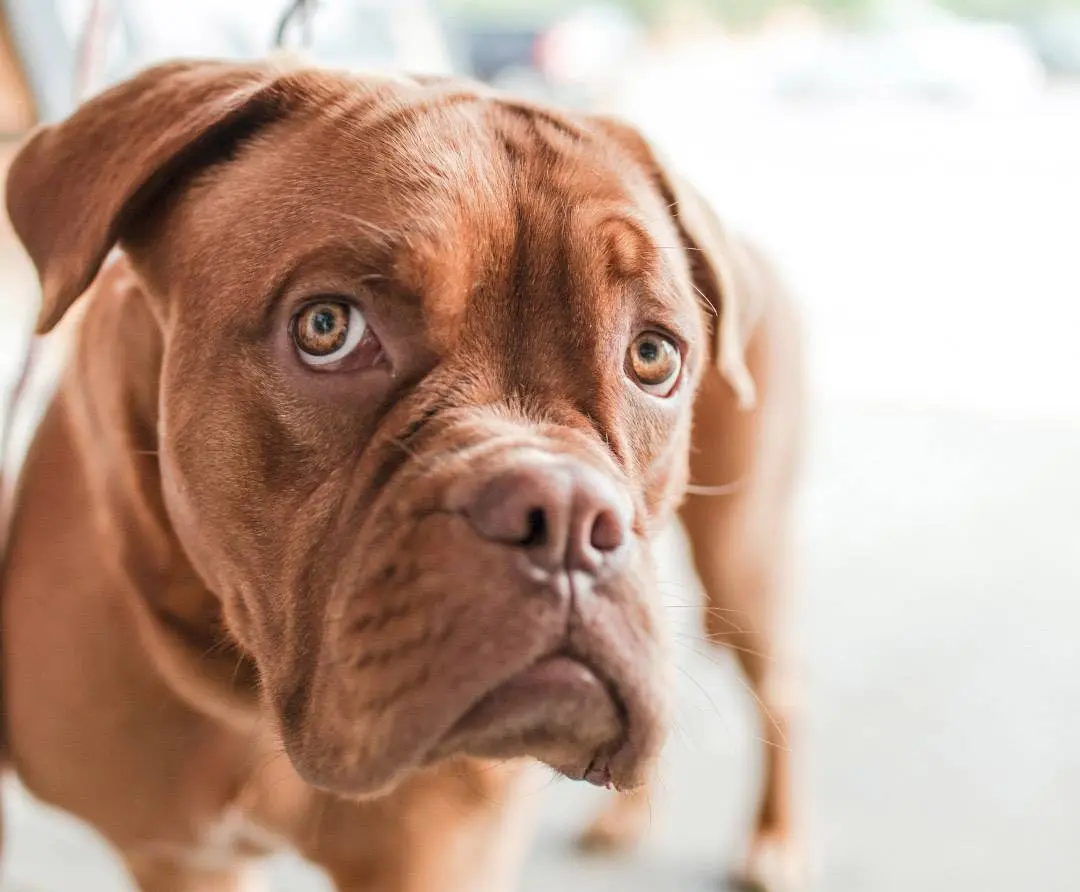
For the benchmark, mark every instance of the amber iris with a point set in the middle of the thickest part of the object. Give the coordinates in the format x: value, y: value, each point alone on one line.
x: 322, y: 328
x: 654, y: 361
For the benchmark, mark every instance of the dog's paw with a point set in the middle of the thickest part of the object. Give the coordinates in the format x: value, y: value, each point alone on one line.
x: 773, y: 864
x: 619, y: 827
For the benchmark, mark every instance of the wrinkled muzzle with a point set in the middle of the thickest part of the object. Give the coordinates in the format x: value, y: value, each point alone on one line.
x: 498, y: 602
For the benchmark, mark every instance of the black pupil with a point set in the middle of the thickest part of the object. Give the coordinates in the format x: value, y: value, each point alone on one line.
x: 324, y: 322
x: 649, y: 351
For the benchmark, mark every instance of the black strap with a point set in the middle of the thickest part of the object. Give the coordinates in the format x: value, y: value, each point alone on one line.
x: 297, y: 13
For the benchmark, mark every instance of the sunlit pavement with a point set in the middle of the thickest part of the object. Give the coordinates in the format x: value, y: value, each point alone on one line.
x: 937, y: 610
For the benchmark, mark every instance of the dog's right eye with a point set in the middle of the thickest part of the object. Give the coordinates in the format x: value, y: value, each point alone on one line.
x: 331, y: 335
x: 654, y: 363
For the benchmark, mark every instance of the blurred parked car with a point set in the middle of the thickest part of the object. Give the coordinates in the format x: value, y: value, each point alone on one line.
x: 573, y: 57
x: 494, y: 46
x: 1056, y: 40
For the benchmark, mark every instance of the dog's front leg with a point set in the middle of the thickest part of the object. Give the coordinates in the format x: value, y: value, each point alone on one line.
x: 451, y: 860
x: 621, y: 824
x: 460, y: 827
x: 448, y: 859
x: 742, y: 545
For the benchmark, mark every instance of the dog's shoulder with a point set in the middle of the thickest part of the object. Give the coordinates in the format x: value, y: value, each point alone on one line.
x: 42, y: 377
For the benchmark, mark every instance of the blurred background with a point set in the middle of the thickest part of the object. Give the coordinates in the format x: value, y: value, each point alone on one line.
x: 915, y: 168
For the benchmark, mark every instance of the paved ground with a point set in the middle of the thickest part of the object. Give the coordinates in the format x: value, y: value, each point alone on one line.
x: 938, y: 604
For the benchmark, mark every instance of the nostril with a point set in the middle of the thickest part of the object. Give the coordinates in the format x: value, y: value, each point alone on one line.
x: 561, y: 515
x: 536, y: 528
x: 608, y: 531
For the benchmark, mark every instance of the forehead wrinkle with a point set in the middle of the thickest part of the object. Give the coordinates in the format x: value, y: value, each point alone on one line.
x: 401, y: 107
x: 388, y: 239
x: 438, y: 186
x: 554, y: 325
x: 539, y: 115
x: 456, y: 255
x: 617, y: 238
x: 443, y: 168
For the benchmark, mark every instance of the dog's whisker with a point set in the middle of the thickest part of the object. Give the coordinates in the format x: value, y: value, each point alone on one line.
x: 678, y: 584
x: 782, y: 745
x: 722, y: 489
x: 717, y: 613
x: 709, y: 305
x: 713, y: 642
x: 734, y: 629
x: 714, y: 611
x: 237, y: 668
x: 696, y: 250
x: 756, y: 738
x: 704, y: 691
x: 388, y: 237
x: 217, y: 646
x: 680, y: 732
x: 727, y: 620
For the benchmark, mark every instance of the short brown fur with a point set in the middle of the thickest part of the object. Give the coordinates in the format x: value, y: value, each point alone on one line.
x: 242, y: 607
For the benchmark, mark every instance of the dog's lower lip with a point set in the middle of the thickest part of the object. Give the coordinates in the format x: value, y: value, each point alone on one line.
x: 556, y: 699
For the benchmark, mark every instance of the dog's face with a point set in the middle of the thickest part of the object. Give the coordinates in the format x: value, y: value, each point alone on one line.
x: 429, y: 360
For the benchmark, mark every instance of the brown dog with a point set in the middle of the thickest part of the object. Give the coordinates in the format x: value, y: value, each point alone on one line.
x: 345, y: 499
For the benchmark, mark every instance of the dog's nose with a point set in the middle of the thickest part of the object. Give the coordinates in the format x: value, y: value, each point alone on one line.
x: 563, y: 516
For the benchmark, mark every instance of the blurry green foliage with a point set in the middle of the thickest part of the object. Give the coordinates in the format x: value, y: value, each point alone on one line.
x: 749, y: 11
x: 1011, y: 9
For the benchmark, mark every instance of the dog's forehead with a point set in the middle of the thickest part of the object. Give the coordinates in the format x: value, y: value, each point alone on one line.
x: 425, y: 155
x: 444, y: 189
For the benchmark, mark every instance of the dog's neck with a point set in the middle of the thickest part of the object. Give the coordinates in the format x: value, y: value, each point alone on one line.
x: 110, y: 396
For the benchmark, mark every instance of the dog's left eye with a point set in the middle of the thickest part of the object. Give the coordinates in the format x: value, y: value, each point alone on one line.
x: 328, y: 332
x: 654, y: 362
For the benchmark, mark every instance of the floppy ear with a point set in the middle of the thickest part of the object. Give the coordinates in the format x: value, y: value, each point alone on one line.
x: 74, y: 187
x: 721, y: 270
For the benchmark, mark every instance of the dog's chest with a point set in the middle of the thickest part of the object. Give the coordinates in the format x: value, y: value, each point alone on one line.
x: 236, y: 834
x: 231, y: 837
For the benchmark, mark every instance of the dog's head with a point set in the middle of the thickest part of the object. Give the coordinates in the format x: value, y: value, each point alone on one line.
x: 429, y: 361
